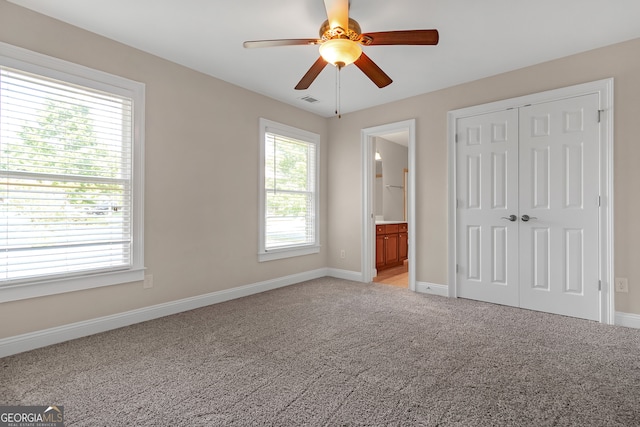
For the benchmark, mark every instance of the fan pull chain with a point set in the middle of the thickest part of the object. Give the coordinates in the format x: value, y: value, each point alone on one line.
x: 337, y: 91
x: 338, y: 68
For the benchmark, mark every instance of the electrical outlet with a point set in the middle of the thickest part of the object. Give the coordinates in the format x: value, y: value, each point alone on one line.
x: 343, y: 254
x: 622, y: 284
x: 148, y: 281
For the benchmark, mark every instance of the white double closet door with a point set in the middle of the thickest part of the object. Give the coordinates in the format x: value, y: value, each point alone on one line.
x: 528, y: 207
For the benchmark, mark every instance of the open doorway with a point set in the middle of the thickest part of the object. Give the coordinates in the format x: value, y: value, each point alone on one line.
x: 392, y: 160
x: 388, y: 204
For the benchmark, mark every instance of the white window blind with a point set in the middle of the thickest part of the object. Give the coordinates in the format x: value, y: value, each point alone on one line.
x: 289, y: 211
x: 290, y: 186
x: 65, y: 178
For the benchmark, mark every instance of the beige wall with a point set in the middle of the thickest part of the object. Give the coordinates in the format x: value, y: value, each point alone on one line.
x: 621, y: 61
x: 201, y: 226
x: 201, y: 213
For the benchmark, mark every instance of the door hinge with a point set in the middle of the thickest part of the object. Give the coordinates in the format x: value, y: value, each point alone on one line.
x: 599, y: 285
x: 456, y: 138
x: 600, y: 115
x: 457, y: 268
x: 599, y: 201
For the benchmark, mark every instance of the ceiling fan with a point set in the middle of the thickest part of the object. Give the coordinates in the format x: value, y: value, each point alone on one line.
x: 340, y: 44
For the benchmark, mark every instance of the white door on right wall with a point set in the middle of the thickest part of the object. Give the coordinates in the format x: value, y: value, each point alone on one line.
x: 551, y: 247
x: 558, y: 192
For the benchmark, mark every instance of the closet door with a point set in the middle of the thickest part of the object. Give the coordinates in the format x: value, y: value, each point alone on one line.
x: 487, y: 192
x: 528, y: 207
x: 559, y: 170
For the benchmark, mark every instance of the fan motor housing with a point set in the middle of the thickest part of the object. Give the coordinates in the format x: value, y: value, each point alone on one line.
x: 353, y: 33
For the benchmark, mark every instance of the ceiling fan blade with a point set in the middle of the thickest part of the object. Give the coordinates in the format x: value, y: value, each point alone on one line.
x: 406, y: 37
x: 338, y: 13
x: 311, y: 75
x: 280, y: 42
x: 372, y: 71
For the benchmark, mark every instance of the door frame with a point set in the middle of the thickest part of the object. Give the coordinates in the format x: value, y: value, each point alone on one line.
x: 367, y: 138
x: 604, y: 88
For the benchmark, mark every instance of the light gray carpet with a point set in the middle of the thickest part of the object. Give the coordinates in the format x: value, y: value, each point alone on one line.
x: 334, y: 352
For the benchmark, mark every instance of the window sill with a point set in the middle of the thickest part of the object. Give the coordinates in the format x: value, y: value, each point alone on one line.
x: 287, y: 253
x: 68, y: 284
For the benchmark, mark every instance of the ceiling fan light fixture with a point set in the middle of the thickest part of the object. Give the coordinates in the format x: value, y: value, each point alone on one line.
x: 340, y: 52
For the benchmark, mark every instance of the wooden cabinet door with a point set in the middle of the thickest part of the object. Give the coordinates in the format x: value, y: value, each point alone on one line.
x: 391, y: 249
x: 380, y: 250
x: 403, y: 246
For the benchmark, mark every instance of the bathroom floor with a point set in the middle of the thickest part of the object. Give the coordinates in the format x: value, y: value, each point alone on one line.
x: 396, y: 276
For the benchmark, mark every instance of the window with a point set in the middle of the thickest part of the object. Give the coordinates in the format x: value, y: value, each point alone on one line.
x: 289, y: 191
x: 70, y: 176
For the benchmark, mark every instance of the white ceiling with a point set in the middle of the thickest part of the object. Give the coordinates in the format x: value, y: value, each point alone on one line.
x: 478, y: 38
x: 401, y: 137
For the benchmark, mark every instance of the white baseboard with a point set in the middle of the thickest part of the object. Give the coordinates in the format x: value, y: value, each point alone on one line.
x: 43, y: 338
x: 629, y: 320
x: 33, y: 340
x: 432, y: 289
x: 355, y: 276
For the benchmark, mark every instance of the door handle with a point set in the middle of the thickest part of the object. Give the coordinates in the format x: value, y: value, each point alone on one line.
x: 526, y: 218
x: 511, y: 218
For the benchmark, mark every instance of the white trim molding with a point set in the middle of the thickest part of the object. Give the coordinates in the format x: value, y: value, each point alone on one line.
x: 33, y: 340
x: 432, y: 289
x: 630, y: 320
x: 355, y: 276
x: 43, y: 338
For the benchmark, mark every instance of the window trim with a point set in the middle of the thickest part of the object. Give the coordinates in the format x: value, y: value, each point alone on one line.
x: 294, y: 250
x: 37, y: 63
